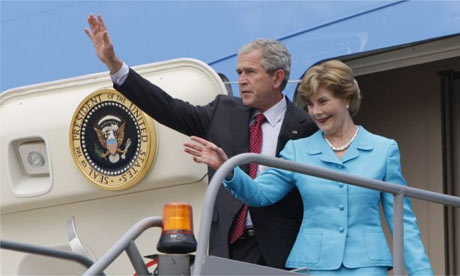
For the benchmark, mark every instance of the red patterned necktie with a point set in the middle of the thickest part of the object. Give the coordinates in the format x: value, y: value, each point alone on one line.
x: 255, y: 145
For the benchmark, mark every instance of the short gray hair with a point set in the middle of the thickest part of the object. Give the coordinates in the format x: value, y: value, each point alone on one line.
x: 275, y: 56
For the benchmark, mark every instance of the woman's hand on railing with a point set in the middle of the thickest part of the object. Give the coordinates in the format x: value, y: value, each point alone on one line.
x: 205, y: 152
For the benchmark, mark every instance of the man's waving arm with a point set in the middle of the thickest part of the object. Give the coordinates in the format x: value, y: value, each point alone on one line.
x: 102, y: 43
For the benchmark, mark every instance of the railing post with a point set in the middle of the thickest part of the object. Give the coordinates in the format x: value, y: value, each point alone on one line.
x: 136, y: 259
x: 398, y: 233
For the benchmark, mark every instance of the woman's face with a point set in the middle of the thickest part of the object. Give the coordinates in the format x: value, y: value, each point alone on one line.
x: 327, y: 111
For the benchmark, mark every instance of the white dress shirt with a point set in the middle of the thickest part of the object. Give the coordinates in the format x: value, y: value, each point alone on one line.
x: 271, y: 130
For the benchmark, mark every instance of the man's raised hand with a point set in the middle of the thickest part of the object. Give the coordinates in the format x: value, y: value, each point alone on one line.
x: 102, y: 43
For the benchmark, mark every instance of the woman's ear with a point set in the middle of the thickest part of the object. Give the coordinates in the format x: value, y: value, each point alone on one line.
x: 349, y: 100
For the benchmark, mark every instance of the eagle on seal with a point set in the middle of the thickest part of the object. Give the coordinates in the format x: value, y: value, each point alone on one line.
x: 111, y: 138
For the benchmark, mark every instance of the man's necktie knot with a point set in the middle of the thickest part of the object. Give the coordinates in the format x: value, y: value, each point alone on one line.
x: 259, y: 119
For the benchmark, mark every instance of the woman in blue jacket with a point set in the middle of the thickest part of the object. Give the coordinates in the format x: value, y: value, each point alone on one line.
x: 341, y: 233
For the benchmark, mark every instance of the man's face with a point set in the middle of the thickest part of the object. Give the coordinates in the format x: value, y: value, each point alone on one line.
x: 258, y: 89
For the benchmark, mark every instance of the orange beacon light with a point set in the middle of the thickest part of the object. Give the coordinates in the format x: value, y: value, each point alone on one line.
x: 177, y: 234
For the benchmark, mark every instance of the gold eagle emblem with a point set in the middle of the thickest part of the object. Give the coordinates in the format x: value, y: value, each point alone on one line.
x: 111, y: 135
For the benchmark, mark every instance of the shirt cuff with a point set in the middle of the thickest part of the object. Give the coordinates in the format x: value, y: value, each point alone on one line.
x: 119, y: 77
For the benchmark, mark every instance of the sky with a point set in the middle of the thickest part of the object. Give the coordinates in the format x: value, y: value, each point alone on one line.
x: 44, y: 41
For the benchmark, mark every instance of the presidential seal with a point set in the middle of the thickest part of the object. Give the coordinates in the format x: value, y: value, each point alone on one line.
x: 112, y: 141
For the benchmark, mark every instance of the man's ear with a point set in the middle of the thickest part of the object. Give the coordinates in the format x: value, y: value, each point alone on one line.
x: 279, y: 78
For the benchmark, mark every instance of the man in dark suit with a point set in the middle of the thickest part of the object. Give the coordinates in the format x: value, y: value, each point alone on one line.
x: 263, y: 69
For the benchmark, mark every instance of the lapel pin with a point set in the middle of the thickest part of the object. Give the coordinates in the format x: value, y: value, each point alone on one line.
x: 295, y: 132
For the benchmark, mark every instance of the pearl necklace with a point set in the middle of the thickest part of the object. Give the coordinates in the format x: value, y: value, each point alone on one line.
x: 344, y: 147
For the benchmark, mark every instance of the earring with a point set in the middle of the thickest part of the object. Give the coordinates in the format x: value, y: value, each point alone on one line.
x: 347, y: 106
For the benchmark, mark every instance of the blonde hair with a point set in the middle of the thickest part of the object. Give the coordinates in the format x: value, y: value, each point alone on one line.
x: 335, y: 76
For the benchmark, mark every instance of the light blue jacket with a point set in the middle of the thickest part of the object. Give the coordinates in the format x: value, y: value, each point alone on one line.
x: 341, y: 223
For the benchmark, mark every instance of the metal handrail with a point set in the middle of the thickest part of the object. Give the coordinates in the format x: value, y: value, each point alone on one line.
x: 399, y: 191
x: 45, y: 251
x: 126, y: 243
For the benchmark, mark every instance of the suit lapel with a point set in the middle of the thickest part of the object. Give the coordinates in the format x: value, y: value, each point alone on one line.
x: 318, y: 146
x: 290, y: 129
x: 363, y: 141
x: 351, y: 153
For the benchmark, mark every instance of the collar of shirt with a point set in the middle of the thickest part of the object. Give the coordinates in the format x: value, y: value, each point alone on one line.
x: 274, y: 114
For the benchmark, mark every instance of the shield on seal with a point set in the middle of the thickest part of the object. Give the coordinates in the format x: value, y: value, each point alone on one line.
x: 112, y: 145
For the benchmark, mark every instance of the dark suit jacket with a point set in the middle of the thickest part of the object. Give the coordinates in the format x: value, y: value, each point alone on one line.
x: 225, y: 122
